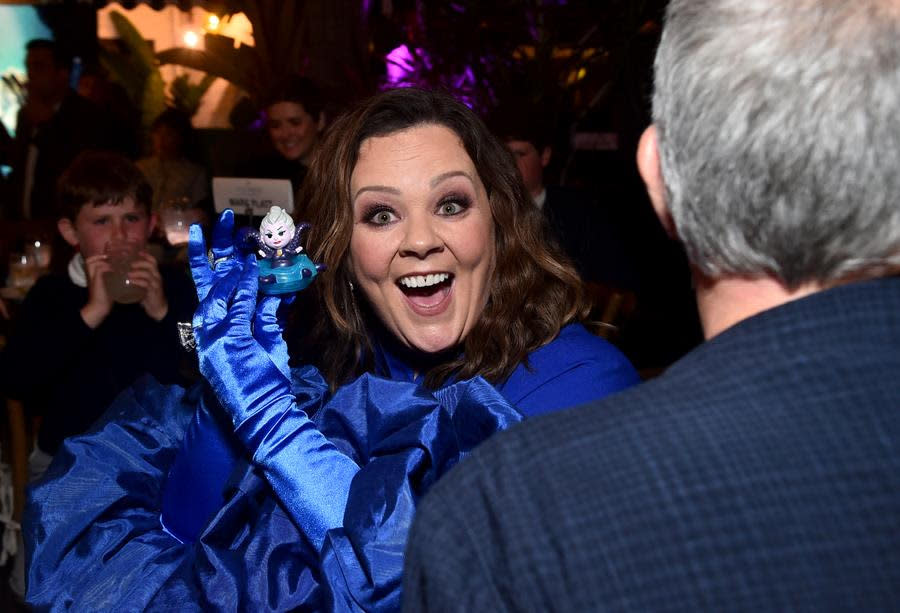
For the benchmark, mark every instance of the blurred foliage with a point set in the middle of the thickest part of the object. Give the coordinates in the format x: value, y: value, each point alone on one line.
x: 563, y: 54
x: 322, y: 39
x: 15, y: 86
x: 12, y: 97
x: 575, y: 65
x: 185, y: 95
x: 135, y: 67
x: 540, y: 52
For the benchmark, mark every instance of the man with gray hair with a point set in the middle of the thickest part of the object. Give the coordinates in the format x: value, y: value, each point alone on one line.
x: 761, y: 471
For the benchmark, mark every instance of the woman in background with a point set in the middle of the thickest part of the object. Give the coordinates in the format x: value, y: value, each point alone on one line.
x: 294, y: 117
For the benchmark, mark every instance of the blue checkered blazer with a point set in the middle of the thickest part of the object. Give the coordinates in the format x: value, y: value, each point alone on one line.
x: 761, y: 472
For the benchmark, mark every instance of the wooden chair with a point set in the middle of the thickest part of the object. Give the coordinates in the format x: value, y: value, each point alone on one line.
x: 18, y: 441
x: 19, y: 444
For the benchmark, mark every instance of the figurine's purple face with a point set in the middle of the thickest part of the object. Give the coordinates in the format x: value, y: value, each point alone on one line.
x: 276, y: 235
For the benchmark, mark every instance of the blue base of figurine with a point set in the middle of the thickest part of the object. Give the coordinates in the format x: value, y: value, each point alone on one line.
x: 297, y: 275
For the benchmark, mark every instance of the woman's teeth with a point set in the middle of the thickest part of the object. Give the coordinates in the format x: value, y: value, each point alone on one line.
x: 424, y: 280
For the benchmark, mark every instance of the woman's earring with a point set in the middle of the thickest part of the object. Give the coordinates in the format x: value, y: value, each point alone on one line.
x: 350, y: 283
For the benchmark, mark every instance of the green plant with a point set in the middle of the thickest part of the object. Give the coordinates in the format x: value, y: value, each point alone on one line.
x: 543, y: 52
x: 15, y: 86
x: 322, y: 39
x: 136, y: 68
x: 185, y: 95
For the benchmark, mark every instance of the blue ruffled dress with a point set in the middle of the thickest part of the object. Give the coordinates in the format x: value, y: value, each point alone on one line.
x: 95, y: 529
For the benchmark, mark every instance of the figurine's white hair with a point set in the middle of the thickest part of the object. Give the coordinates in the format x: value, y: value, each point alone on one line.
x: 276, y: 216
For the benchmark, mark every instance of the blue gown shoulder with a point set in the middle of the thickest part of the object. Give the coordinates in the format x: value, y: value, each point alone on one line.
x: 575, y: 368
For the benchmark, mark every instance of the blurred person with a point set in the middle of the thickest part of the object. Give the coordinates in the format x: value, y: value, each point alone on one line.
x: 53, y: 126
x: 442, y: 316
x: 69, y: 331
x: 294, y: 117
x: 585, y: 228
x: 115, y: 105
x: 174, y: 177
x: 761, y: 471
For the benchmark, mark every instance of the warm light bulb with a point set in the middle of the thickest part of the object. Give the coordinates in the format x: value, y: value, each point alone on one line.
x: 37, y: 244
x: 212, y: 22
x: 191, y: 39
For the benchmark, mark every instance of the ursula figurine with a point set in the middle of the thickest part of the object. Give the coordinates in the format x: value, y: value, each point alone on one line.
x: 283, y: 267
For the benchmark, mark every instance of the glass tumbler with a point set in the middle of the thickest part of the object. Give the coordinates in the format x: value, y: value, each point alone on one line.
x: 176, y: 220
x: 121, y: 255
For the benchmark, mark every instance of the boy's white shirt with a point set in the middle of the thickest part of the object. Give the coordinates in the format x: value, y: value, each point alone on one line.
x: 76, y: 271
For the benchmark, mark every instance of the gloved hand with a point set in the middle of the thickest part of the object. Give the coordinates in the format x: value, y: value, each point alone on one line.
x: 250, y: 377
x: 207, y: 267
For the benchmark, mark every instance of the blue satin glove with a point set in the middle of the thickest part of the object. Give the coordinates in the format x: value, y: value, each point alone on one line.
x: 209, y: 451
x: 193, y: 491
x: 208, y: 267
x: 251, y: 379
x: 268, y: 330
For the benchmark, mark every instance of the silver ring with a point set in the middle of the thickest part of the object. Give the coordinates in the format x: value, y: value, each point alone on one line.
x: 214, y: 261
x: 186, y: 335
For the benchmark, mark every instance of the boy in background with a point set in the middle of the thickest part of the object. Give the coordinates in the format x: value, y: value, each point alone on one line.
x: 72, y: 348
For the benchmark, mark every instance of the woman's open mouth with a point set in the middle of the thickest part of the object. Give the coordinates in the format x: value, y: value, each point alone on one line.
x: 427, y: 294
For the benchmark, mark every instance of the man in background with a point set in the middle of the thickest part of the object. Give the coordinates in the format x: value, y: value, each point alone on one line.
x: 761, y: 471
x: 53, y: 126
x: 584, y: 227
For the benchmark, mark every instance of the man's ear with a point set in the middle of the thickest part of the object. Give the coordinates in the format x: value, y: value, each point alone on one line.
x: 546, y: 154
x: 320, y: 124
x: 67, y: 230
x: 151, y: 226
x: 651, y: 172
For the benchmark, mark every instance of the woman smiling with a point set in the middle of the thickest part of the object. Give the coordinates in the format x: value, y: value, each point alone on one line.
x: 422, y: 247
x: 444, y: 317
x: 294, y: 117
x: 442, y: 268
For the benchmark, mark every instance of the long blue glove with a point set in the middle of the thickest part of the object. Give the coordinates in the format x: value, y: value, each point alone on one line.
x: 209, y: 451
x: 308, y: 473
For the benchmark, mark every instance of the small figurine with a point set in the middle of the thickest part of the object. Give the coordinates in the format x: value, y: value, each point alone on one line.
x: 283, y: 267
x: 277, y: 237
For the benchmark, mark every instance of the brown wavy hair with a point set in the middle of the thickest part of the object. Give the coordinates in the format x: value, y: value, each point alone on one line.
x: 534, y: 290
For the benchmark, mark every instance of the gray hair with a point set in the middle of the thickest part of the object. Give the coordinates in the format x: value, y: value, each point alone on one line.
x: 779, y: 131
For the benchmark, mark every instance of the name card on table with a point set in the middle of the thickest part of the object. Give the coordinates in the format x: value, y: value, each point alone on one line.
x: 250, y: 196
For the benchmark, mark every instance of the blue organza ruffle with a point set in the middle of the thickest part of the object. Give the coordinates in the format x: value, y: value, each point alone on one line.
x: 93, y: 524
